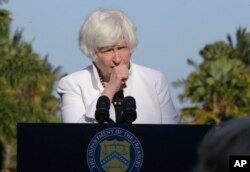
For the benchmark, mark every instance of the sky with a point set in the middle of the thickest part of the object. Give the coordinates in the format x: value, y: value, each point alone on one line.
x: 169, y: 31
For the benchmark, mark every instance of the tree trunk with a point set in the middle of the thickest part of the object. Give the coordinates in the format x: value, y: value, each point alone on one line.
x: 7, y: 156
x: 216, y: 107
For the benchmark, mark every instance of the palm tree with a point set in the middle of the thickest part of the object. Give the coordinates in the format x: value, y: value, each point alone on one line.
x: 26, y: 85
x: 218, y: 87
x: 242, y: 47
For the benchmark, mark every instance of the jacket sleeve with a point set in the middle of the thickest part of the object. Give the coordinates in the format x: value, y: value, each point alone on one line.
x: 168, y: 111
x: 73, y: 109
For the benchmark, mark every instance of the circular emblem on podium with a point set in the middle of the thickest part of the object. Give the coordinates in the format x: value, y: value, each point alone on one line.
x: 114, y: 150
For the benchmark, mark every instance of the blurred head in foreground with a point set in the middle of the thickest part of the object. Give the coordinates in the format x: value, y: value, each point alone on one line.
x: 231, y: 138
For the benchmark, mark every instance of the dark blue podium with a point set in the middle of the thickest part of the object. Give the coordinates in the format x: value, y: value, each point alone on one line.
x: 104, y: 147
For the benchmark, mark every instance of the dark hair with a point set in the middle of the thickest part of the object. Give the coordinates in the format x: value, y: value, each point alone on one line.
x: 231, y: 138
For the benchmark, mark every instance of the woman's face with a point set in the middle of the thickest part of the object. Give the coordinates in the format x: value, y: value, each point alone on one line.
x: 111, y: 56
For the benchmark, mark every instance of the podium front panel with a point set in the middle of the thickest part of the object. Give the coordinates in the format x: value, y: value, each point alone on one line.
x: 68, y: 147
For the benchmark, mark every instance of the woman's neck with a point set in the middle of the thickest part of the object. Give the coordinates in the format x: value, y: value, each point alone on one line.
x: 103, y: 78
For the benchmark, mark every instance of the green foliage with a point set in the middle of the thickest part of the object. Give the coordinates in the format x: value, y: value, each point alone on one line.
x: 219, y: 86
x: 215, y: 51
x: 26, y: 84
x: 4, y: 26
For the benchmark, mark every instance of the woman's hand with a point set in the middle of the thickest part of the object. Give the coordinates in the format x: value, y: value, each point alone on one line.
x: 118, y: 77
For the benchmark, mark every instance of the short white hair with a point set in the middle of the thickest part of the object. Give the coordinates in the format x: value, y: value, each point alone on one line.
x: 105, y: 28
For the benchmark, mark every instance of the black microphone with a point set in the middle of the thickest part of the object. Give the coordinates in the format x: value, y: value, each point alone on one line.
x: 129, y: 114
x: 102, y: 110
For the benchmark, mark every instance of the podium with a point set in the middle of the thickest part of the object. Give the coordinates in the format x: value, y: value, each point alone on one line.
x: 54, y: 147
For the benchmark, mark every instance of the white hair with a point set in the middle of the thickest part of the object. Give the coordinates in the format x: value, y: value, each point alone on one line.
x: 105, y: 28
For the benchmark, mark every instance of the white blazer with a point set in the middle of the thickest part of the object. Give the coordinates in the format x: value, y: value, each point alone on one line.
x: 80, y: 90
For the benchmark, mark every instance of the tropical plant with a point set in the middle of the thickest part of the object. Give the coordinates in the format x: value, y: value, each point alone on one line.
x: 26, y: 86
x: 219, y: 86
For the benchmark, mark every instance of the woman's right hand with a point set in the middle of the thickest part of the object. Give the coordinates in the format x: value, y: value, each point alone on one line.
x: 117, y: 80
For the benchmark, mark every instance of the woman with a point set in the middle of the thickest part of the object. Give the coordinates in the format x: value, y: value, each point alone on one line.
x: 108, y: 38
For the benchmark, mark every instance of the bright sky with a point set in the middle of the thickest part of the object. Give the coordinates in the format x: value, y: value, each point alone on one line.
x: 169, y: 31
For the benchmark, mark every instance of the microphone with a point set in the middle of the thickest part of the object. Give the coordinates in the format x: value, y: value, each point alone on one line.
x: 102, y: 110
x: 129, y: 114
